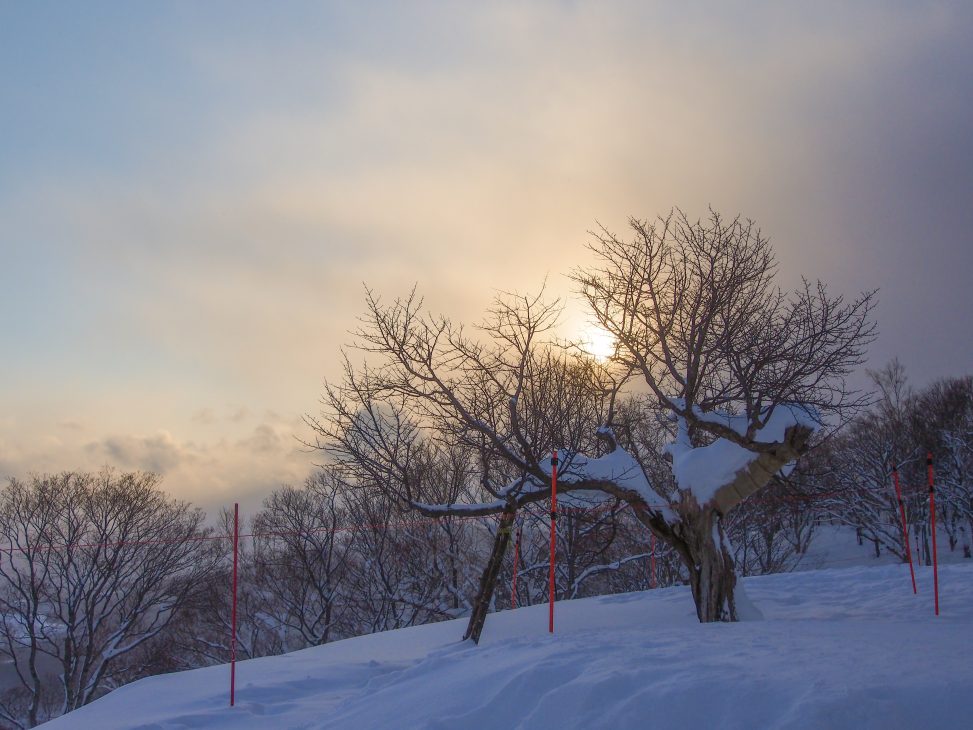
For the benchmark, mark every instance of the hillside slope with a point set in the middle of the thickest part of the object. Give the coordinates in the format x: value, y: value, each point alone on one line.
x: 837, y: 649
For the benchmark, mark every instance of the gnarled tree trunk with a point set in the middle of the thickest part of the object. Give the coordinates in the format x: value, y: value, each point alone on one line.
x: 712, y: 575
x: 699, y: 537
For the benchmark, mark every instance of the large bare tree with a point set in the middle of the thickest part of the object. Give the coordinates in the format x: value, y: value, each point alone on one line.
x: 743, y: 372
x: 746, y: 370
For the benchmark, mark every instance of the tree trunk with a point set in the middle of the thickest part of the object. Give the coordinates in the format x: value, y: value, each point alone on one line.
x: 711, y: 571
x: 703, y: 547
x: 488, y: 581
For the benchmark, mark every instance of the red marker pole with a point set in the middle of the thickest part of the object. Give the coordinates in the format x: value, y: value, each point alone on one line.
x: 932, y: 517
x: 905, y: 529
x: 653, y: 578
x: 236, y: 542
x: 551, y: 589
x: 513, y: 587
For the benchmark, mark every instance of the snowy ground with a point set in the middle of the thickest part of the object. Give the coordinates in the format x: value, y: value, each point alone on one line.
x: 848, y: 648
x: 835, y: 546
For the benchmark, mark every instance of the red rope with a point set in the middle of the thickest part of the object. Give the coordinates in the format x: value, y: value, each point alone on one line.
x: 382, y: 525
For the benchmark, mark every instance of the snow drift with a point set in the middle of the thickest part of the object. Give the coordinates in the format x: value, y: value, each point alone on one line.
x: 838, y: 649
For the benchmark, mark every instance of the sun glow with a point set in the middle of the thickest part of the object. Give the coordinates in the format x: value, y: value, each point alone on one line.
x: 598, y: 342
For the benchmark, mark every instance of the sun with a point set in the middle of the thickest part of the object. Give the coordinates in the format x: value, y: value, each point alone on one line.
x: 598, y: 342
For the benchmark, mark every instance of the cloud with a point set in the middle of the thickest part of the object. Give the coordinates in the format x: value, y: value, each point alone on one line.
x: 239, y: 415
x: 159, y: 453
x: 217, y: 257
x: 208, y: 473
x: 204, y: 416
x: 264, y: 440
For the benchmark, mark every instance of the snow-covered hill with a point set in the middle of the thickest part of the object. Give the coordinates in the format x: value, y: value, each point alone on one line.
x: 837, y: 649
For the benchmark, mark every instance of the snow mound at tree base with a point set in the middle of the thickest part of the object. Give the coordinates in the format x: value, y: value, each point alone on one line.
x: 837, y: 649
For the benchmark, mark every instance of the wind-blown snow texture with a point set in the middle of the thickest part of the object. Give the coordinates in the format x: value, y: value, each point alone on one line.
x: 838, y: 649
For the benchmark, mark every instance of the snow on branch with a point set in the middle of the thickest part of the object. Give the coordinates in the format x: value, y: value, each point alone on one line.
x: 704, y: 471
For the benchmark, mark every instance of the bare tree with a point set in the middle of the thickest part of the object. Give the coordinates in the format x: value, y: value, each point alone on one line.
x: 743, y: 372
x: 200, y: 634
x: 402, y: 571
x: 92, y: 568
x: 771, y: 532
x: 300, y: 556
x: 501, y: 399
x: 942, y: 423
x: 851, y: 474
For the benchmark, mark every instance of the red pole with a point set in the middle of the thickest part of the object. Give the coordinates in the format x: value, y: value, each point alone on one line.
x: 236, y: 541
x: 653, y: 579
x: 905, y: 529
x: 551, y: 589
x: 513, y: 587
x: 932, y: 516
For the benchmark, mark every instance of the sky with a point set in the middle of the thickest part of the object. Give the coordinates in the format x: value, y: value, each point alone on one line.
x: 193, y: 196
